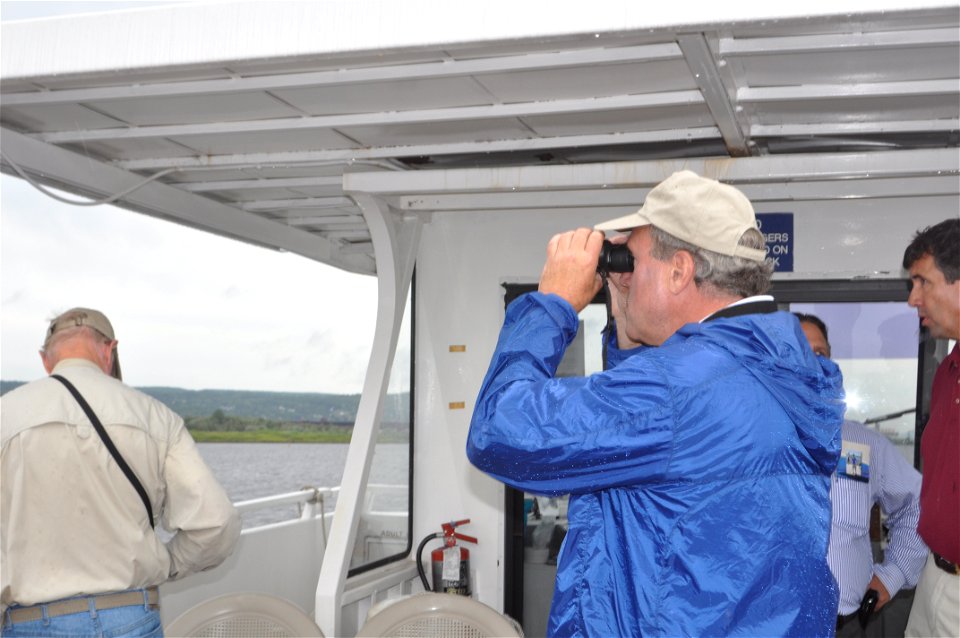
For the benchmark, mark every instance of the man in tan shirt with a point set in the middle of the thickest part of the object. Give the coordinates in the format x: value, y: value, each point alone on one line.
x: 78, y: 552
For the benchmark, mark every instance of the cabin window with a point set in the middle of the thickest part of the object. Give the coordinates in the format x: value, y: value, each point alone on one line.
x: 875, y: 345
x: 385, y: 521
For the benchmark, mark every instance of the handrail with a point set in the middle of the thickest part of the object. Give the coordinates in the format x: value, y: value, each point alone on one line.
x: 299, y: 497
x: 889, y: 417
x: 313, y: 495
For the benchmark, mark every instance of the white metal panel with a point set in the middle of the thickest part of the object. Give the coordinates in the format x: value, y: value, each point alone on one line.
x: 399, y: 95
x: 851, y: 66
x: 320, y: 181
x: 438, y: 132
x: 590, y: 81
x: 246, y: 195
x: 195, y: 109
x: 854, y: 108
x: 675, y: 118
x: 127, y: 150
x: 51, y: 118
x: 264, y: 141
x: 842, y: 239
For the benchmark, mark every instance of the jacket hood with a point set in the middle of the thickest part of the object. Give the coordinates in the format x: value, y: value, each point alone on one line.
x: 773, y: 348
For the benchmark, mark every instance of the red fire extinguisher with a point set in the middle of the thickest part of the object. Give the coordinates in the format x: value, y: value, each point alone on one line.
x: 450, y: 563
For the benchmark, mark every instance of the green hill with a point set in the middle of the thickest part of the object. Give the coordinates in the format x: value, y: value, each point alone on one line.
x: 289, y: 407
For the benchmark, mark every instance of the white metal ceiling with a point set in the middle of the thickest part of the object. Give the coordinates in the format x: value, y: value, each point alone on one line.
x: 258, y: 147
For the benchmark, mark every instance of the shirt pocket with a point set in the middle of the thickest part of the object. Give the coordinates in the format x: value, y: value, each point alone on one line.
x: 851, y: 503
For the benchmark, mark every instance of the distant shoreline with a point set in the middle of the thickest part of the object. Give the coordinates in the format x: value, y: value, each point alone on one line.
x: 288, y: 436
x: 269, y: 436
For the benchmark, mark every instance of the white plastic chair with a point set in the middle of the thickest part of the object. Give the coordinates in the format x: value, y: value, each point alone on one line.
x: 432, y: 615
x: 243, y: 615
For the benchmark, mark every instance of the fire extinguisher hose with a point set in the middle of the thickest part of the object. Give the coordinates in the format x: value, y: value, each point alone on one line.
x: 423, y: 543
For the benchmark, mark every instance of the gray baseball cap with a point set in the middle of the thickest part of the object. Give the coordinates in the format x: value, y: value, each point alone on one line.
x: 700, y: 211
x: 76, y: 317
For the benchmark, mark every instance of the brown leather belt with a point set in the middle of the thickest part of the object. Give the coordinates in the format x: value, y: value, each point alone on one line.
x: 80, y: 605
x: 945, y: 565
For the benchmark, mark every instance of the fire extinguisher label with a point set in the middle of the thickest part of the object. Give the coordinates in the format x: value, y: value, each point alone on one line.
x: 451, y: 563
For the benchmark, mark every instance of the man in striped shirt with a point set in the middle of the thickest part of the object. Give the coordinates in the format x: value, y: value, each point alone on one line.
x: 871, y: 471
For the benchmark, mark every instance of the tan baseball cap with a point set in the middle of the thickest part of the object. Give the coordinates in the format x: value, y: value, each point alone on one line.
x: 76, y: 317
x: 697, y: 210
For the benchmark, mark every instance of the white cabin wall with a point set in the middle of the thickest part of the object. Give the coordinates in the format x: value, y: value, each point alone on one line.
x: 465, y: 257
x: 844, y: 238
x: 462, y: 262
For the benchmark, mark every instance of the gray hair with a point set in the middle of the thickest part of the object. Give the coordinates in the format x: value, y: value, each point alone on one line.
x: 724, y: 273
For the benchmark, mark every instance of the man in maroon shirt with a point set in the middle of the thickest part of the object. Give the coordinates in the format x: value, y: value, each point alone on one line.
x: 933, y: 259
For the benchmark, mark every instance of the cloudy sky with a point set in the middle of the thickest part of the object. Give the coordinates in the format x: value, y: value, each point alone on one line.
x: 190, y: 309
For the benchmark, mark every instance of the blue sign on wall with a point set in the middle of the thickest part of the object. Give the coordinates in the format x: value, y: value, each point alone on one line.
x: 777, y: 229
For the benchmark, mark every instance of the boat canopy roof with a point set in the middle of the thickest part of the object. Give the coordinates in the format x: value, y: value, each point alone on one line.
x: 247, y: 116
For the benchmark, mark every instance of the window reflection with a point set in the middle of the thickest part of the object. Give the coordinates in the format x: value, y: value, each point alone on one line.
x: 384, y: 531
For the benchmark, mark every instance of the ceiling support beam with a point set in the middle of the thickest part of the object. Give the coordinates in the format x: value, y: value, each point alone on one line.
x: 302, y: 202
x: 702, y: 64
x: 388, y: 118
x: 349, y: 155
x: 628, y: 199
x: 854, y: 128
x: 332, y: 181
x: 769, y: 169
x: 326, y: 220
x: 82, y: 174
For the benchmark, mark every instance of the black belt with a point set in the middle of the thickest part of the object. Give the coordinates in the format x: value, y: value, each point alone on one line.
x: 843, y: 620
x: 945, y: 565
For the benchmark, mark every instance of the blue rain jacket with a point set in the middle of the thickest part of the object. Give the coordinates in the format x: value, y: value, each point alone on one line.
x: 699, y: 473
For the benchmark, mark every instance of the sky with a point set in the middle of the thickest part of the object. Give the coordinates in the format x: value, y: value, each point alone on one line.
x: 190, y: 309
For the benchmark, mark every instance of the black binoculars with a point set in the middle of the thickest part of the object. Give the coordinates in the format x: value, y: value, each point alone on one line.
x: 614, y: 258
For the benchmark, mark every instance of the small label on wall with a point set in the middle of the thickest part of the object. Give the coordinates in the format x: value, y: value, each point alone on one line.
x: 777, y: 229
x: 458, y: 348
x: 457, y: 405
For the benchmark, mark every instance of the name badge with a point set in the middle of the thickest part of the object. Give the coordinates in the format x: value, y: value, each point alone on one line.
x: 854, y: 461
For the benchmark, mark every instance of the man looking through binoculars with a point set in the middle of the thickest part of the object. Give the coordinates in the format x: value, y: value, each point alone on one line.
x: 699, y: 468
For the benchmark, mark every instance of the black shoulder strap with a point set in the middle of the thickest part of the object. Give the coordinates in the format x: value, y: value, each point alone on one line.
x: 760, y: 307
x: 110, y: 446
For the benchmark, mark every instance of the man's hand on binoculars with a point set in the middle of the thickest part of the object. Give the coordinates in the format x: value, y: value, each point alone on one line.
x: 571, y: 267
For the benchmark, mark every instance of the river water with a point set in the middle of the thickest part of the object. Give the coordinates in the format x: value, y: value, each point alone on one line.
x: 255, y: 470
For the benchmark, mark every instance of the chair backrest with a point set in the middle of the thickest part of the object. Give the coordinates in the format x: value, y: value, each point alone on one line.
x: 431, y: 615
x: 243, y: 615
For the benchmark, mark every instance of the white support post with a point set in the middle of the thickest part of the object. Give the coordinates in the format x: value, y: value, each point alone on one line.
x: 395, y: 245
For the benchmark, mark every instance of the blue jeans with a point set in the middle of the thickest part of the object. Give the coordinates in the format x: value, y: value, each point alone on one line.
x: 135, y: 621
